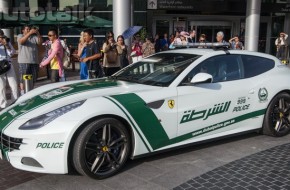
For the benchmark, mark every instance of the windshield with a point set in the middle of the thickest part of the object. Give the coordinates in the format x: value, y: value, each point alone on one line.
x: 157, y: 70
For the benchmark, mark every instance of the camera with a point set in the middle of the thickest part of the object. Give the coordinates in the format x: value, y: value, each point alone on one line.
x: 7, y: 40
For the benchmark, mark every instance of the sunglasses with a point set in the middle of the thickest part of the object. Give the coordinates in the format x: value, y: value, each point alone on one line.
x: 50, y: 35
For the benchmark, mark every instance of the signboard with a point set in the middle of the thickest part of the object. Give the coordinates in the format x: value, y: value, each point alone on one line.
x: 276, y: 7
x: 151, y: 4
x: 170, y: 4
x: 175, y: 4
x: 215, y: 6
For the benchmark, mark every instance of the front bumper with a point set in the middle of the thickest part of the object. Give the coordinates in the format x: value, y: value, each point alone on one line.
x: 42, y: 153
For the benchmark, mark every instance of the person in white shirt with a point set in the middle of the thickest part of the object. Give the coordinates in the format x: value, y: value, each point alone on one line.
x: 6, y: 51
x: 282, y: 45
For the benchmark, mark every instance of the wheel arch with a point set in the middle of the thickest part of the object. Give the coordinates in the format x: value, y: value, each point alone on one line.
x: 282, y: 91
x: 82, y: 126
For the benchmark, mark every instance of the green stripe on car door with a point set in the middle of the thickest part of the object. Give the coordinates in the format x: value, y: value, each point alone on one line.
x: 145, y: 118
x: 152, y: 129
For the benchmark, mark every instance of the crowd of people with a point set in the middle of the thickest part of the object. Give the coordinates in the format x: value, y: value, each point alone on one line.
x: 96, y: 61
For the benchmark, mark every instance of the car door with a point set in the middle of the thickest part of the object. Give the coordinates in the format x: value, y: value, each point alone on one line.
x: 211, y: 108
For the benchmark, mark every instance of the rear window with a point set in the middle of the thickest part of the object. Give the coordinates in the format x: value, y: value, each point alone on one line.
x: 254, y: 65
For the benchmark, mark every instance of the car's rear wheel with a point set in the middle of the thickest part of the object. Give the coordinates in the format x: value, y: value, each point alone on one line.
x: 101, y: 149
x: 277, y: 118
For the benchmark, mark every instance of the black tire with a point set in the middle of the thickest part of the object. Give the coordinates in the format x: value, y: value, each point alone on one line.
x: 101, y: 149
x: 277, y: 118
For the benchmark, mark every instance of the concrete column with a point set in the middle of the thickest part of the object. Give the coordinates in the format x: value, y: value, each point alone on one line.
x: 121, y: 16
x: 4, y: 7
x: 252, y: 25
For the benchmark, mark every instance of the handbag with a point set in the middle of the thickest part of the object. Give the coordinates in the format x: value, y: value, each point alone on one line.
x: 112, y: 56
x: 65, y: 60
x: 4, y: 64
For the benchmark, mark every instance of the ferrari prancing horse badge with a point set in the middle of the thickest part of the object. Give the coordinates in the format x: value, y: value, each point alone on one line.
x: 171, y: 104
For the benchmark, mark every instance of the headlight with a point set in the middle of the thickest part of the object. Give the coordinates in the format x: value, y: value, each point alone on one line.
x: 44, y: 119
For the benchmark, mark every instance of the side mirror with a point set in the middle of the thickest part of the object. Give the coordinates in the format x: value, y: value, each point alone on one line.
x: 201, y: 78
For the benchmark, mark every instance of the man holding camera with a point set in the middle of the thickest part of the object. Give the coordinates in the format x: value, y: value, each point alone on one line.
x: 28, y: 43
x: 6, y: 71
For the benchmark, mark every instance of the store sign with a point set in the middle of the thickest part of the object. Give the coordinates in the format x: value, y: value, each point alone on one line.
x: 276, y: 7
x: 175, y: 4
x: 170, y: 4
x: 286, y: 8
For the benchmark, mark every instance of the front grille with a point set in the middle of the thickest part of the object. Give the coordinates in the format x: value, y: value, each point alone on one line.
x: 9, y: 143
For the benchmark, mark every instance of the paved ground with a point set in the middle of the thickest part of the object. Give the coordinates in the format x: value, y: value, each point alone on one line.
x: 250, y: 161
x: 169, y: 170
x: 269, y: 169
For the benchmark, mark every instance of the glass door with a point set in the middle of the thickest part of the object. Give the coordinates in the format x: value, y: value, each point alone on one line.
x: 211, y: 28
x: 162, y: 26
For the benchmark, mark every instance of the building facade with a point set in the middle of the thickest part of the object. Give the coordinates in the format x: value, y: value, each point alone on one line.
x: 159, y: 16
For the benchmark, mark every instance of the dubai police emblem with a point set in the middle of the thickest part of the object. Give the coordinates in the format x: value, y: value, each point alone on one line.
x: 263, y: 94
x: 171, y: 104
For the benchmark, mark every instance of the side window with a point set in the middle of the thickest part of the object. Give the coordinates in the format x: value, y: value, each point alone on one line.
x: 254, y: 65
x: 222, y: 68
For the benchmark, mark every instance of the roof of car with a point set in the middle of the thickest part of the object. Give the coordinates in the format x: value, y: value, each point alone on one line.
x: 200, y: 51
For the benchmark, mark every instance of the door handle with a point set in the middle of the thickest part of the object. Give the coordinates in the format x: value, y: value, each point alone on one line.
x: 252, y: 91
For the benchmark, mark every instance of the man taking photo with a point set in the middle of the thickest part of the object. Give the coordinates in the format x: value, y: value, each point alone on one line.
x: 28, y: 53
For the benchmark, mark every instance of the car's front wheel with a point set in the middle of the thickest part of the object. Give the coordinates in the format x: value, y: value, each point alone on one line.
x: 277, y: 118
x: 101, y: 149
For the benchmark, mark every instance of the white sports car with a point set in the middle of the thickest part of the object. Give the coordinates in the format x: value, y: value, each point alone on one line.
x: 167, y: 100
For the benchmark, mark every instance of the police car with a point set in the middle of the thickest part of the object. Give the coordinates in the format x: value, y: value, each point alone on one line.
x: 170, y: 99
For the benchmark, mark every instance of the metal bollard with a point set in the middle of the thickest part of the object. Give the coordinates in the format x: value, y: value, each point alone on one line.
x: 27, y: 82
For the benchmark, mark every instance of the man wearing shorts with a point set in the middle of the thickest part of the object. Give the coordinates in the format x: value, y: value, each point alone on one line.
x: 28, y: 43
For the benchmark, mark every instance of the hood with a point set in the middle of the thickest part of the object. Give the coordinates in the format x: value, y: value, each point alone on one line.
x: 76, y: 91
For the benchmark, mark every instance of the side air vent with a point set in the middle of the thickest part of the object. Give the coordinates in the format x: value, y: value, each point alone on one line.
x: 156, y: 104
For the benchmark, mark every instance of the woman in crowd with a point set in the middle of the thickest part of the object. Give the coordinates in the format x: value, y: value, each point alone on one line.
x: 137, y: 49
x: 82, y: 53
x: 148, y: 47
x: 184, y: 36
x: 235, y: 43
x: 124, y: 59
x: 111, y: 61
x: 202, y: 40
x: 55, y: 56
x: 6, y: 51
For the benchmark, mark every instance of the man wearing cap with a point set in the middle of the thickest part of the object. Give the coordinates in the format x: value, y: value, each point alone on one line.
x: 282, y: 45
x: 28, y: 43
x: 6, y: 51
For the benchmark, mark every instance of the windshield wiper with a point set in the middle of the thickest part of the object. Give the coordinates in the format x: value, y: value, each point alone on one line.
x: 126, y: 78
